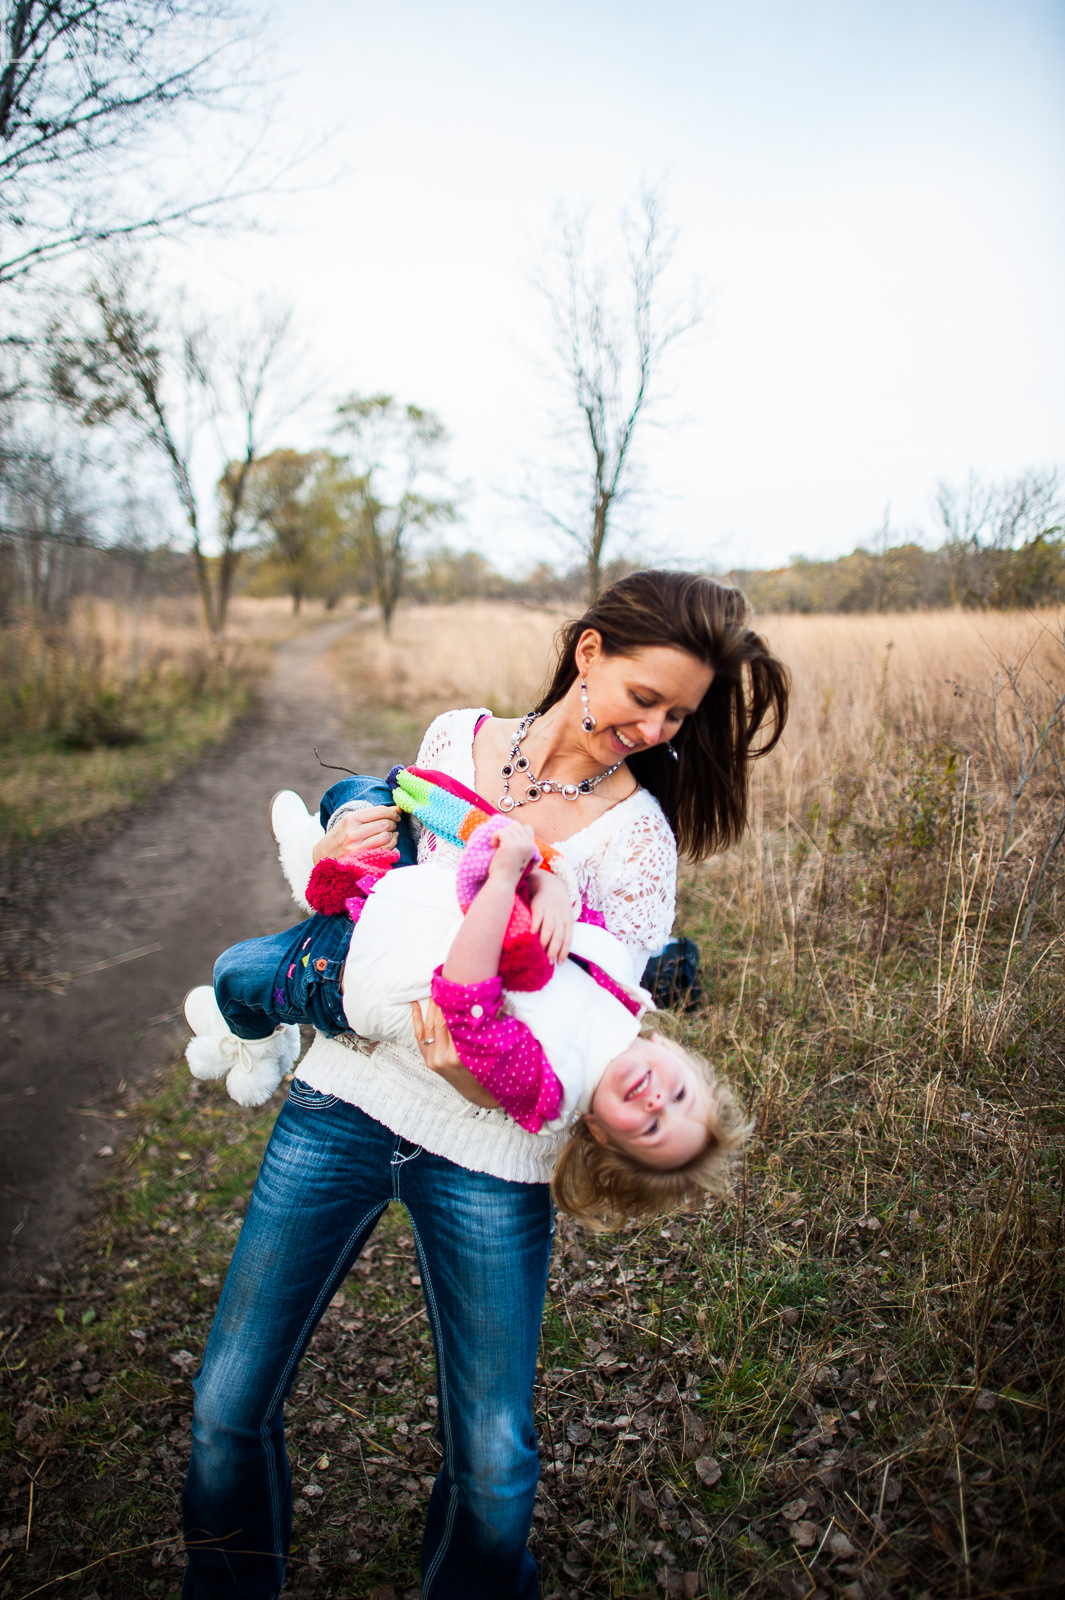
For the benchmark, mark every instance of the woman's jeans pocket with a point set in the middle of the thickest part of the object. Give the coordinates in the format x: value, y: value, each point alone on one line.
x: 307, y: 1099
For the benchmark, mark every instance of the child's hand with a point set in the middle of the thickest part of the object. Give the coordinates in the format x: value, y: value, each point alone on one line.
x: 551, y: 910
x: 514, y: 847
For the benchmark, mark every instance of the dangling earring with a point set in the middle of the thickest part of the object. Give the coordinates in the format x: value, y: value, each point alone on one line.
x: 587, y: 721
x: 669, y: 747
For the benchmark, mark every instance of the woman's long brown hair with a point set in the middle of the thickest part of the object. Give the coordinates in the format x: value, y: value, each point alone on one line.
x: 704, y: 793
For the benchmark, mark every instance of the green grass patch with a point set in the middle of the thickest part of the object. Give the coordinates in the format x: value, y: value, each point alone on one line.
x: 46, y: 790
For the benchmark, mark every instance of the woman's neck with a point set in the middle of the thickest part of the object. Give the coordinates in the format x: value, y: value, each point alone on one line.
x: 555, y: 744
x: 555, y: 750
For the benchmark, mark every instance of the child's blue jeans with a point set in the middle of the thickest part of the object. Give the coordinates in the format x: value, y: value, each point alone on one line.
x: 295, y: 976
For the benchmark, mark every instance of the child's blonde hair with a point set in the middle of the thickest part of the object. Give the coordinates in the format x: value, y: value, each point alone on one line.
x: 603, y: 1186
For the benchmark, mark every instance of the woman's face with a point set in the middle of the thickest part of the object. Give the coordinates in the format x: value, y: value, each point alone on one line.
x: 638, y: 700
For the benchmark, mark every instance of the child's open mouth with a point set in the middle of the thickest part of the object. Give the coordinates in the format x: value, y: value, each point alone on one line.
x: 641, y: 1087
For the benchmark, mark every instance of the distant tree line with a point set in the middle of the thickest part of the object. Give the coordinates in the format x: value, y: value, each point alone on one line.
x: 998, y: 547
x: 319, y: 525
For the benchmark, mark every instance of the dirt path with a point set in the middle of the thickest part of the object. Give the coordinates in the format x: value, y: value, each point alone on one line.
x: 140, y: 923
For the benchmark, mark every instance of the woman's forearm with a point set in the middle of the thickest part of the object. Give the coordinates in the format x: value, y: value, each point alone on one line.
x: 477, y: 947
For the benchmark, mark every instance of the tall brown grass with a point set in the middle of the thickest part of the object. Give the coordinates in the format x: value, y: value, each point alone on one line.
x: 98, y: 708
x: 90, y: 677
x: 878, y: 1329
x: 863, y: 685
x: 929, y: 671
x: 481, y: 652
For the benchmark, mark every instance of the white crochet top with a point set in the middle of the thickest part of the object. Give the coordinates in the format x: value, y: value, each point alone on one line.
x: 625, y: 862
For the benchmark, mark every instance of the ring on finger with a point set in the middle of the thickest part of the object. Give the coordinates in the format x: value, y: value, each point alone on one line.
x: 430, y: 1038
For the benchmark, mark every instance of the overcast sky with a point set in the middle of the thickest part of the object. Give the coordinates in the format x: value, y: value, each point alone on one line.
x: 869, y: 196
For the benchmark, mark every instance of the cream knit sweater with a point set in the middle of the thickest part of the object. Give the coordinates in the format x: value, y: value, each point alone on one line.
x: 626, y: 868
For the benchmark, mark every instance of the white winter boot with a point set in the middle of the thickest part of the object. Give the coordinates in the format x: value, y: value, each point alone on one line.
x: 252, y: 1068
x: 296, y: 831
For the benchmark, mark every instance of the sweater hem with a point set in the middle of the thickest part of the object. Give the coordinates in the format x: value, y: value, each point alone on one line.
x: 397, y: 1089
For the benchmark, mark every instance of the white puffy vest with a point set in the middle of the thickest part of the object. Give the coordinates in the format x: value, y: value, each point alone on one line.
x: 404, y: 934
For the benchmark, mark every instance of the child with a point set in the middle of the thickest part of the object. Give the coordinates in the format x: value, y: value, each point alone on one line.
x: 650, y: 1125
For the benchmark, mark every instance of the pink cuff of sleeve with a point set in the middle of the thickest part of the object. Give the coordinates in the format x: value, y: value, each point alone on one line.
x: 462, y: 997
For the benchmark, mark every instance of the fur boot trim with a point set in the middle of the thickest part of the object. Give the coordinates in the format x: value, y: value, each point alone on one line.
x: 334, y: 882
x: 206, y: 1060
x: 257, y: 1066
x: 252, y: 1068
x: 261, y: 1066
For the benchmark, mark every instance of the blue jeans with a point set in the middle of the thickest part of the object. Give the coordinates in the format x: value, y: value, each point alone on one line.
x: 295, y: 976
x: 483, y: 1247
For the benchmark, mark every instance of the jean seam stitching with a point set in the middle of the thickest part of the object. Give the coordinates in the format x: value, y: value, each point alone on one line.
x: 323, y: 1099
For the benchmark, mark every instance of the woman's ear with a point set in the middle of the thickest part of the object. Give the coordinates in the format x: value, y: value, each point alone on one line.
x: 588, y: 649
x: 595, y: 1127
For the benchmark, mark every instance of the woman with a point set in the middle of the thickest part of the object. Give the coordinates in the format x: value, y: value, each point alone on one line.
x: 641, y: 744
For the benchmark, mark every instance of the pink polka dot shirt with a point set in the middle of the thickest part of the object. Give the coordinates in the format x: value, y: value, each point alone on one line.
x: 504, y: 1056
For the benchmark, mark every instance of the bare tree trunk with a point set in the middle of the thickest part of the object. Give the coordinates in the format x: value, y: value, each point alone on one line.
x: 235, y: 490
x: 203, y: 577
x: 610, y: 363
x: 392, y: 582
x: 16, y: 34
x: 597, y: 541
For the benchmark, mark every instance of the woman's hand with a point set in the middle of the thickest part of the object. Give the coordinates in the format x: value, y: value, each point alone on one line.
x: 439, y: 1054
x: 373, y: 828
x: 551, y: 910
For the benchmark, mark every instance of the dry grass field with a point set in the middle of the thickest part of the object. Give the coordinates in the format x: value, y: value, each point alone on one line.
x: 848, y: 1383
x: 98, y: 709
x: 868, y: 1348
x: 440, y: 656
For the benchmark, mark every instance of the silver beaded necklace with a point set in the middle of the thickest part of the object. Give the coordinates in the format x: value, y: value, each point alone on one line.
x: 517, y: 763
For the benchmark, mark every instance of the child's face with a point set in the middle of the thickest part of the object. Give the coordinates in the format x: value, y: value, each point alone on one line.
x: 651, y: 1104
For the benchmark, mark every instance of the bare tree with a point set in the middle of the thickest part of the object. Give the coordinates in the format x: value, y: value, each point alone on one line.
x: 173, y: 385
x: 251, y: 366
x: 394, y: 453
x: 612, y: 331
x: 47, y: 522
x: 82, y: 84
x: 994, y: 534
